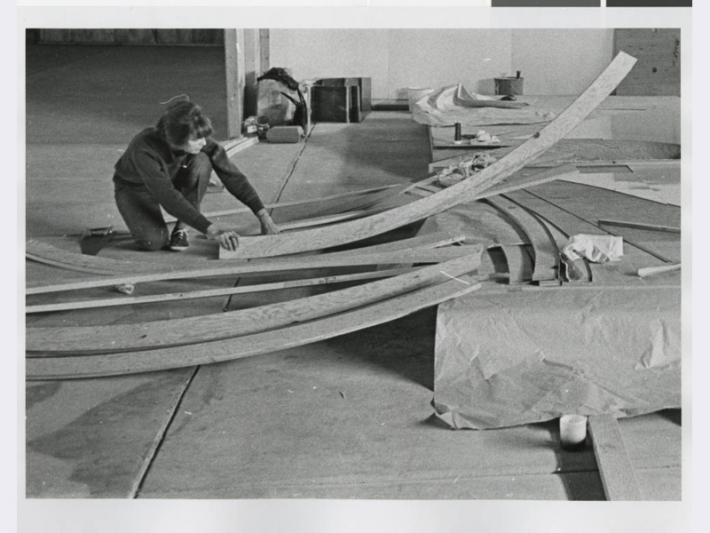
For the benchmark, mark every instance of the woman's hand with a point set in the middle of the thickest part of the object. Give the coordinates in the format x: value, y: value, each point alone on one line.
x: 268, y: 226
x: 225, y: 234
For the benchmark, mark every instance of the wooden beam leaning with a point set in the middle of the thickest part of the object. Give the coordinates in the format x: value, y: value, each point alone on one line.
x: 423, y: 252
x: 205, y: 328
x: 465, y: 191
x: 53, y: 368
x: 615, y: 468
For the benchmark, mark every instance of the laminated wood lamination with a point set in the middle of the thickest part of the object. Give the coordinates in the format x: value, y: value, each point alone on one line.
x: 76, y: 367
x: 467, y: 190
x: 182, y: 331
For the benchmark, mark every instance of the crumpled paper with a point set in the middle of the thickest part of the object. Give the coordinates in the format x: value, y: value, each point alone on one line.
x: 452, y: 104
x: 530, y: 356
x: 595, y: 248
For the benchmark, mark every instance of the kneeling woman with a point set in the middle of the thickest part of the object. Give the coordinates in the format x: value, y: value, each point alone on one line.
x: 170, y: 166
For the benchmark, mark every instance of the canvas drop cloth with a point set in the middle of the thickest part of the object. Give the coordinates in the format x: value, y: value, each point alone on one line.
x: 452, y: 104
x: 530, y: 356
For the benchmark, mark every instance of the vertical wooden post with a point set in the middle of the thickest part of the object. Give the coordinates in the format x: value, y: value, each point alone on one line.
x: 264, y: 51
x: 252, y: 60
x: 234, y: 69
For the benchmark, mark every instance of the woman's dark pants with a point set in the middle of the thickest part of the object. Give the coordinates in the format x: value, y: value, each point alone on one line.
x: 141, y: 211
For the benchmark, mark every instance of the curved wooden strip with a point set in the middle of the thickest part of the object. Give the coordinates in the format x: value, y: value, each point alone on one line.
x: 203, y: 328
x: 259, y: 343
x: 45, y: 253
x: 118, y: 301
x: 357, y: 257
x: 465, y: 191
x: 348, y: 200
x: 520, y: 263
x: 545, y: 251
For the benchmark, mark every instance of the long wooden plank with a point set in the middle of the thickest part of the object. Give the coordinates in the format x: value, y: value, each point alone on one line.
x: 203, y: 328
x: 465, y: 191
x: 615, y: 468
x: 337, y: 259
x: 259, y: 343
x: 119, y: 301
x: 431, y: 240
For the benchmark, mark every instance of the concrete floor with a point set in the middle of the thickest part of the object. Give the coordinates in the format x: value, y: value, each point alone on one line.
x: 346, y: 418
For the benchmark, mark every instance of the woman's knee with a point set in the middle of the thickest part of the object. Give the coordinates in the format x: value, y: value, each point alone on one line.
x: 197, y: 172
x: 201, y: 165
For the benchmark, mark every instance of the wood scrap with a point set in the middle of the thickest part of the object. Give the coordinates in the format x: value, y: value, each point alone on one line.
x: 646, y: 272
x: 467, y: 190
x: 77, y: 367
x: 205, y: 328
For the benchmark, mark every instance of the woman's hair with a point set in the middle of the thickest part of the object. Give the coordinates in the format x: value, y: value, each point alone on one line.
x: 181, y: 120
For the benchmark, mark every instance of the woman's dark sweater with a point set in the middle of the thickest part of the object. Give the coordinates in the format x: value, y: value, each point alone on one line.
x: 150, y: 162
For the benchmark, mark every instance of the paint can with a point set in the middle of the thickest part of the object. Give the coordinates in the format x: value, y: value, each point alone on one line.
x: 573, y: 431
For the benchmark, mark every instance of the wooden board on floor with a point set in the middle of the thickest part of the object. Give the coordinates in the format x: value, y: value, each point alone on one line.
x: 615, y: 468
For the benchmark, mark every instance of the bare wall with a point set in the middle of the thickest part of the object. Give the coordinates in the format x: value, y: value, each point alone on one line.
x: 561, y: 62
x: 557, y: 62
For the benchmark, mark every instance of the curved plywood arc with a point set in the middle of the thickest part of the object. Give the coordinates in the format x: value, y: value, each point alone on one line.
x: 45, y: 253
x: 77, y: 367
x: 545, y: 252
x: 465, y: 191
x: 426, y: 251
x: 204, y: 328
